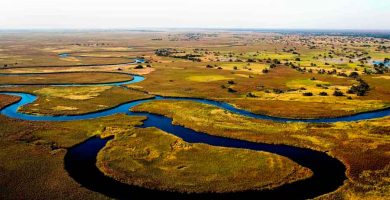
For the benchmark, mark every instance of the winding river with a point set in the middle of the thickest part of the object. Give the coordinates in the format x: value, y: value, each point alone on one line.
x: 80, y: 160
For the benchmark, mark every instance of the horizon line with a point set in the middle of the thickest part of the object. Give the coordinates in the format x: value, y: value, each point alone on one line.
x: 192, y: 28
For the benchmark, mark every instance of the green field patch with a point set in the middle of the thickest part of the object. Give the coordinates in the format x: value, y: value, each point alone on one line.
x: 207, y: 78
x: 155, y: 159
x: 73, y: 93
x: 305, y: 83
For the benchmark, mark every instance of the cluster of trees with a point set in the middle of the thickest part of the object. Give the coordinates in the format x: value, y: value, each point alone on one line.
x: 170, y: 52
x: 360, y: 89
x: 381, y: 67
x: 167, y: 52
x: 191, y: 57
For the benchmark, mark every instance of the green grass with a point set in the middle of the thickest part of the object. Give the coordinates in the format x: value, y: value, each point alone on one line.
x: 154, y: 159
x: 76, y: 100
x: 62, y: 78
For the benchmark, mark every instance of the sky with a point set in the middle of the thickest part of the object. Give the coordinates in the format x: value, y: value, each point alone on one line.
x: 133, y: 14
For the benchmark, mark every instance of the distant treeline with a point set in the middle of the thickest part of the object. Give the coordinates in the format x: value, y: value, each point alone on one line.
x: 355, y: 33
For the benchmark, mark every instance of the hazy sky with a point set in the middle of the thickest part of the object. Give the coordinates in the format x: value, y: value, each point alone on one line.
x: 318, y: 14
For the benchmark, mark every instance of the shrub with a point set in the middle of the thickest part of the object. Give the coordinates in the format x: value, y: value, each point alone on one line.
x: 338, y: 93
x: 231, y: 82
x: 139, y: 67
x: 231, y: 90
x: 278, y: 91
x: 265, y: 71
x: 354, y: 75
x: 323, y: 94
x: 250, y: 94
x: 307, y: 94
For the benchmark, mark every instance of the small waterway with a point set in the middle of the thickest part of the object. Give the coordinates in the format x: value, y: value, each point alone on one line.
x: 134, y: 79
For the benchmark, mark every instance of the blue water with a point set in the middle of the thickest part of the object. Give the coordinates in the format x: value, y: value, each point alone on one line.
x: 136, y: 79
x: 64, y: 55
x: 12, y: 111
x: 387, y: 64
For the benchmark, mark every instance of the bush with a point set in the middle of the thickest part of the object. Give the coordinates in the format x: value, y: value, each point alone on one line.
x: 338, y: 93
x: 354, y: 75
x: 308, y: 94
x: 139, y: 67
x: 209, y: 66
x: 265, y: 71
x: 278, y: 91
x: 231, y: 82
x: 231, y: 90
x: 323, y: 94
x: 250, y: 94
